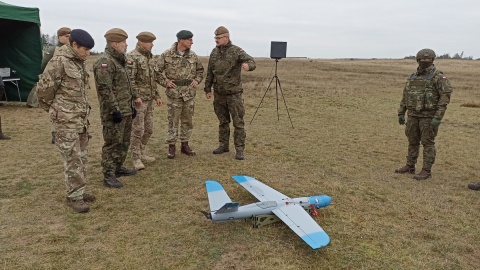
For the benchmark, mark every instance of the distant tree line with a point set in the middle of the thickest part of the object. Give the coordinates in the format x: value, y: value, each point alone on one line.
x: 458, y: 56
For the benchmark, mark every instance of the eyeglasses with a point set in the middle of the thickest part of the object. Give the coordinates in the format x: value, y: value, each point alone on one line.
x: 217, y: 38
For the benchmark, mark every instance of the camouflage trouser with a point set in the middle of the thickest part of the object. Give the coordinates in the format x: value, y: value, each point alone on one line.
x: 179, y: 111
x: 142, y: 128
x: 115, y: 147
x: 73, y: 147
x: 32, y: 99
x: 226, y: 106
x: 420, y: 130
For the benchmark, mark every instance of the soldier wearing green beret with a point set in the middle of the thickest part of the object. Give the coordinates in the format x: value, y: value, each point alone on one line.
x: 224, y: 76
x: 180, y: 71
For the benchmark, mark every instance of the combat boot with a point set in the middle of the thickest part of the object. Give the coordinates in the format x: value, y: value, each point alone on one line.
x: 125, y: 172
x: 138, y: 165
x: 112, y: 182
x: 78, y: 205
x: 221, y: 149
x: 89, y: 197
x: 474, y: 186
x: 423, y: 175
x: 171, y: 151
x: 406, y: 169
x: 147, y: 158
x: 186, y: 149
x: 239, y: 155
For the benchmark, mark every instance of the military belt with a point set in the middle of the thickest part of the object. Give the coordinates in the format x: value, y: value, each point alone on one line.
x: 183, y: 82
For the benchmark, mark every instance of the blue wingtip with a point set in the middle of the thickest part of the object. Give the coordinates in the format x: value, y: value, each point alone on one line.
x: 316, y: 240
x: 241, y: 178
x: 213, y: 186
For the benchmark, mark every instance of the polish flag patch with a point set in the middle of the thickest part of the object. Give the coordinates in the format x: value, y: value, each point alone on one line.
x: 129, y: 62
x: 104, y: 65
x: 444, y: 77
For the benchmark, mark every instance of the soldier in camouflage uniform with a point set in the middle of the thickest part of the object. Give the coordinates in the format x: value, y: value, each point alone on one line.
x: 62, y: 91
x: 224, y: 75
x: 183, y: 72
x: 115, y: 95
x: 63, y: 35
x: 425, y: 99
x: 142, y: 71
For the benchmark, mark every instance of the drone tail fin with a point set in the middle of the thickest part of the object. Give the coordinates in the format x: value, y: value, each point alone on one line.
x: 218, y: 197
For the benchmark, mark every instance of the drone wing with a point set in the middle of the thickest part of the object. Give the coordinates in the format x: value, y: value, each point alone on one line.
x: 295, y: 217
x: 258, y: 189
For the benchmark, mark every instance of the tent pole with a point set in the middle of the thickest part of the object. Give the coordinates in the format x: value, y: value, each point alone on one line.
x: 2, y: 137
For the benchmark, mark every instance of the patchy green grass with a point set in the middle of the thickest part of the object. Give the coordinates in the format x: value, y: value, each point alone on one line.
x: 346, y: 142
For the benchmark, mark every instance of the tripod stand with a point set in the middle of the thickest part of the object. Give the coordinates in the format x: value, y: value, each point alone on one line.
x: 277, y: 86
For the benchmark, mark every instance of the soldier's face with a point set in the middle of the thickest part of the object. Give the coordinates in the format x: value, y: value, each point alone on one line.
x: 82, y: 52
x: 221, y: 40
x: 121, y: 46
x: 187, y: 43
x: 64, y: 39
x: 147, y: 46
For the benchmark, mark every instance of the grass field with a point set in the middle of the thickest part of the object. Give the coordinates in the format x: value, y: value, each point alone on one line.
x: 346, y: 142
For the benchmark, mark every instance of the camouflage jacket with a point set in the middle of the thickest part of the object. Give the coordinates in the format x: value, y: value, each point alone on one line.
x: 224, y: 69
x: 48, y: 55
x: 143, y: 71
x: 426, y: 94
x: 62, y: 91
x: 114, y: 89
x: 181, y: 69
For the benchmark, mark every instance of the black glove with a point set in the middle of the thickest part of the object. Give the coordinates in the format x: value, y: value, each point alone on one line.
x: 117, y: 117
x: 134, y: 113
x: 401, y: 119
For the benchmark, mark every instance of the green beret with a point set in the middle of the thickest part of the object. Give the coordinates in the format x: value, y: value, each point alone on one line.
x: 146, y: 37
x: 184, y: 34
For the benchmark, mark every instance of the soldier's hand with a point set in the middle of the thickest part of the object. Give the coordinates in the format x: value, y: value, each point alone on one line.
x: 401, y: 119
x: 171, y: 84
x: 435, y: 122
x: 159, y: 102
x: 194, y: 83
x: 138, y: 101
x: 209, y: 95
x: 245, y: 67
x: 117, y: 117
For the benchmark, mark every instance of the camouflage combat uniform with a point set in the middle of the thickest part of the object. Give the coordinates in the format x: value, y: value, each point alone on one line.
x: 32, y: 100
x: 62, y: 91
x: 224, y: 75
x: 182, y: 69
x: 142, y: 71
x: 425, y: 96
x: 115, y: 94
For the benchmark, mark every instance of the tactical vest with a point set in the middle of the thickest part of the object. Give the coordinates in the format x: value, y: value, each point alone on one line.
x: 421, y: 93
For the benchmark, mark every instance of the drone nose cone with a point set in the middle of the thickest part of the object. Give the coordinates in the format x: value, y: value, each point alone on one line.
x: 323, y: 201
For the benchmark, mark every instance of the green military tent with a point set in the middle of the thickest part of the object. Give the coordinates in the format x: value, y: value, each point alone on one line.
x: 20, y: 49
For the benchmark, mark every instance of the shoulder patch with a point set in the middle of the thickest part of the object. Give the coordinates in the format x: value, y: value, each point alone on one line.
x: 104, y: 65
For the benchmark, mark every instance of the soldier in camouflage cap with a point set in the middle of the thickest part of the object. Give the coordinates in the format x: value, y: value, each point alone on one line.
x: 224, y: 75
x: 183, y: 72
x: 62, y: 92
x: 115, y: 95
x: 142, y: 71
x: 425, y: 99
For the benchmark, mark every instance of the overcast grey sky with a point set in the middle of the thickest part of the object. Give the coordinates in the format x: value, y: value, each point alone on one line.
x: 315, y: 29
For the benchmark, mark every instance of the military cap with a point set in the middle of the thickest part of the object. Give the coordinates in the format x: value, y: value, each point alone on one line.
x: 82, y: 38
x: 116, y: 35
x: 146, y: 37
x: 63, y: 31
x: 184, y: 34
x: 221, y: 30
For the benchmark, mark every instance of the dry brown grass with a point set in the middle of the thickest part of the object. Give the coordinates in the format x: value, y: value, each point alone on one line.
x: 346, y: 143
